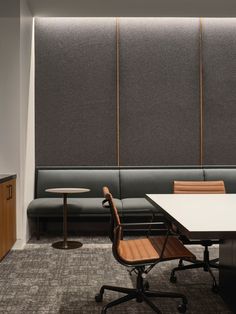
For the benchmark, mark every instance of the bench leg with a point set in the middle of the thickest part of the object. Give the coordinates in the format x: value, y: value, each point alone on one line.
x: 38, y: 228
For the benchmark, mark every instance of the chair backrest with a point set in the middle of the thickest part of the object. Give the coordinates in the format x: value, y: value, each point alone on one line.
x: 115, y: 227
x: 199, y: 187
x: 140, y: 252
x: 116, y: 236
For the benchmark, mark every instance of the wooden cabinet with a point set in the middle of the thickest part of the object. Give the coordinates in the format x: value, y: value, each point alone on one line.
x: 7, y: 216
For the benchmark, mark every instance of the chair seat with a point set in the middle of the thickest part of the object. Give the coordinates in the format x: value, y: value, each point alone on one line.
x: 149, y: 250
x: 141, y: 253
x: 174, y: 248
x: 137, y: 250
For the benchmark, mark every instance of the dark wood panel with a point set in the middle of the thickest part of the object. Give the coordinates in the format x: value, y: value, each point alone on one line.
x: 11, y: 213
x: 2, y: 224
x: 7, y: 216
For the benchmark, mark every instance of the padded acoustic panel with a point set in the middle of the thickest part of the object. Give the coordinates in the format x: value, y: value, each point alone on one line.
x: 159, y: 91
x: 219, y: 81
x: 75, y: 91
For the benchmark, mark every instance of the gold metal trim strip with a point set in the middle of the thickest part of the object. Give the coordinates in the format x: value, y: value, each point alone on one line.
x: 118, y: 90
x: 201, y: 94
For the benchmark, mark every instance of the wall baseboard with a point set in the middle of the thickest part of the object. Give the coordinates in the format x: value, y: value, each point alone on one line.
x: 19, y: 245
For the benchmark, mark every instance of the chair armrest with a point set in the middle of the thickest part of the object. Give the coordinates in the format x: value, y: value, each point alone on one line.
x: 146, y: 227
x: 141, y: 224
x: 144, y: 210
x: 139, y: 211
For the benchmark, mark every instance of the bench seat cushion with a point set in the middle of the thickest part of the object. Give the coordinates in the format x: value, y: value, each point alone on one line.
x: 139, y: 205
x: 84, y: 207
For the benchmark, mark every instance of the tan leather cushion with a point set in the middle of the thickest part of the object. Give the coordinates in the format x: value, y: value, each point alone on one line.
x: 174, y: 248
x: 199, y: 187
x: 149, y: 249
x: 137, y: 250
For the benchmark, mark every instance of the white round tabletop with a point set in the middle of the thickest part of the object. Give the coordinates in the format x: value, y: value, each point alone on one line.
x: 67, y: 190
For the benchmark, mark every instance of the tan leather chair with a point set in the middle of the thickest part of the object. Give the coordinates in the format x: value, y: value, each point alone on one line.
x: 141, y: 254
x: 199, y: 187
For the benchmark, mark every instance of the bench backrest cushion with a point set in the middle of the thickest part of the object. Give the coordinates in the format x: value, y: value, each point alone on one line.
x: 94, y: 179
x: 137, y: 182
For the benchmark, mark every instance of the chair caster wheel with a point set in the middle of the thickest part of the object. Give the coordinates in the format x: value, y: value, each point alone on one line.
x: 146, y: 285
x: 173, y: 278
x: 182, y: 308
x: 215, y: 289
x: 98, y: 297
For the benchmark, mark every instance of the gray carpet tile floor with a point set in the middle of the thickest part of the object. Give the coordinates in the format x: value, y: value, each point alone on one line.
x: 42, y: 280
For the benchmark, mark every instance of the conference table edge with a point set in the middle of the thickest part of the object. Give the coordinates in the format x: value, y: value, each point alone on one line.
x: 206, y: 235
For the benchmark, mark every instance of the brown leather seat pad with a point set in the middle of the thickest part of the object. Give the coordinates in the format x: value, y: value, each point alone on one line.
x: 174, y: 248
x: 137, y: 250
x: 149, y: 249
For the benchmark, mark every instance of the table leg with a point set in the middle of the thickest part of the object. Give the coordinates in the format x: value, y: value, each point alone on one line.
x: 65, y: 220
x: 65, y: 244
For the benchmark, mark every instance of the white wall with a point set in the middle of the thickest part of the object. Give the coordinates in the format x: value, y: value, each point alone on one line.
x: 15, y: 62
x: 9, y: 94
x: 9, y: 98
x: 27, y: 164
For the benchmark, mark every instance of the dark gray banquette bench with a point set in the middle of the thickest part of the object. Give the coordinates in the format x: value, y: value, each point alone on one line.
x: 127, y: 184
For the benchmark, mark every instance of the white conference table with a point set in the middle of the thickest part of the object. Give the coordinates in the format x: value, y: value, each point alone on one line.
x: 206, y: 216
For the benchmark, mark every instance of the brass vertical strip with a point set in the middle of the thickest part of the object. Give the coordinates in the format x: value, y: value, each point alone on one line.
x: 201, y: 93
x: 118, y: 91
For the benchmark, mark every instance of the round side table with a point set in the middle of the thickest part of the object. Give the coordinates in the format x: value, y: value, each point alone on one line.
x: 65, y: 244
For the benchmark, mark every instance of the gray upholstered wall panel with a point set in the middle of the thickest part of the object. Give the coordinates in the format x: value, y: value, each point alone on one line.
x: 159, y: 91
x: 219, y: 81
x: 75, y: 91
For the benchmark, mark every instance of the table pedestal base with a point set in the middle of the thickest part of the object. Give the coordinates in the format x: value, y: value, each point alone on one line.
x: 67, y: 245
x: 227, y: 273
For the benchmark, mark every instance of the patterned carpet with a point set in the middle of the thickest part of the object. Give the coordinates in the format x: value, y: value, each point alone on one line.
x: 43, y: 280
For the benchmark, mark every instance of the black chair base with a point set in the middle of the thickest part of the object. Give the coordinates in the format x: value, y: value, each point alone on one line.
x: 141, y: 294
x: 206, y: 264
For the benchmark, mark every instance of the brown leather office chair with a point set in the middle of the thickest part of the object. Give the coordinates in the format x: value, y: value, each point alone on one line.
x: 141, y: 255
x: 199, y: 187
